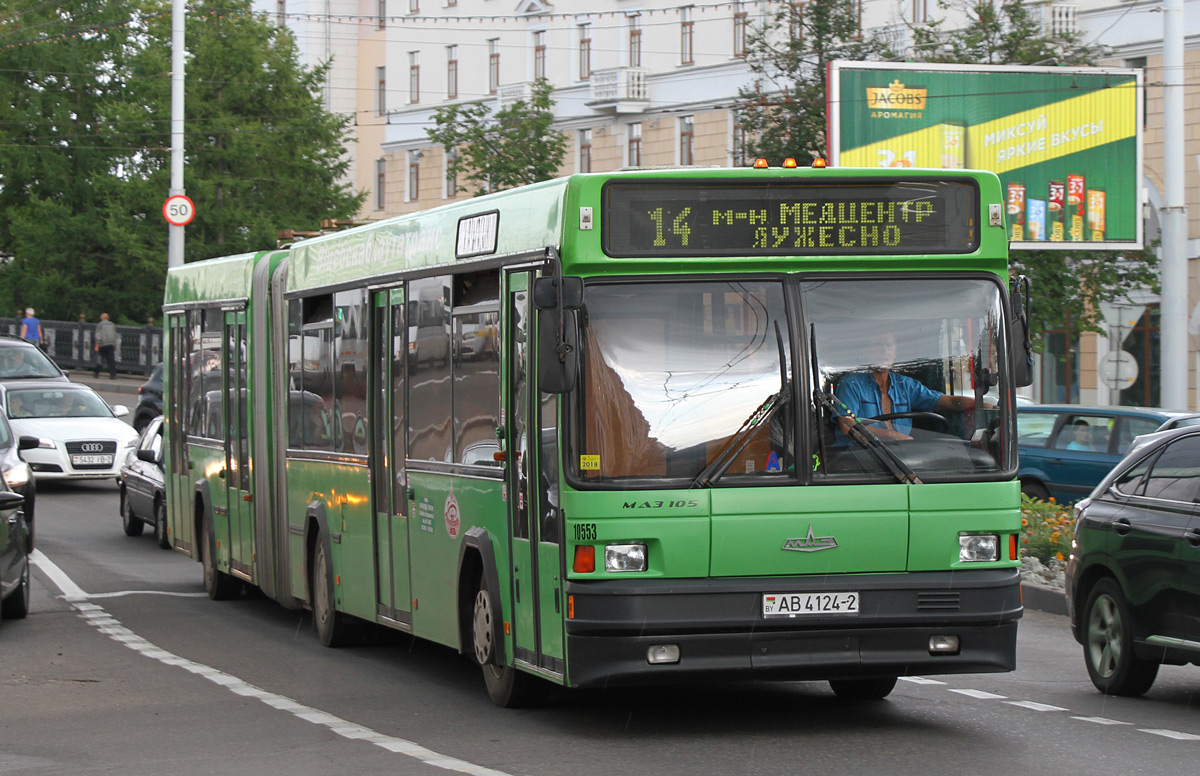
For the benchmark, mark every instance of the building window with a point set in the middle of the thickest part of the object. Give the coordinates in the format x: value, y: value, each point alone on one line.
x: 635, y: 39
x: 539, y: 54
x: 451, y: 72
x: 380, y: 183
x: 281, y: 10
x: 380, y: 90
x: 741, y: 24
x: 1144, y: 344
x: 740, y: 157
x: 686, y: 135
x: 687, y: 36
x: 414, y: 77
x: 1060, y: 365
x: 585, y: 150
x: 414, y: 175
x: 414, y: 6
x: 493, y: 65
x: 920, y: 11
x: 796, y: 20
x: 451, y: 180
x: 635, y: 144
x: 381, y: 10
x: 585, y: 52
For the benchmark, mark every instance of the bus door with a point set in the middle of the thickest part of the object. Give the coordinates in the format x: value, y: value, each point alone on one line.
x: 531, y: 480
x: 237, y: 447
x: 389, y: 480
x: 179, y: 467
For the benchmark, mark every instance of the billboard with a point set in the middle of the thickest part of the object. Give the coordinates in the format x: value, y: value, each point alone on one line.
x: 1066, y: 142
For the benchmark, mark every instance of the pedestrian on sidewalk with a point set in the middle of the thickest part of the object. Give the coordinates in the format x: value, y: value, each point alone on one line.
x: 31, y: 328
x: 106, y: 346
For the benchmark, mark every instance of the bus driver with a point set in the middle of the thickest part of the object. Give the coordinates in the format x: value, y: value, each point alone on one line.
x: 879, y: 392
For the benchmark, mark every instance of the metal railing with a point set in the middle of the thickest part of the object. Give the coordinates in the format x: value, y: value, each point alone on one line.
x: 139, y: 348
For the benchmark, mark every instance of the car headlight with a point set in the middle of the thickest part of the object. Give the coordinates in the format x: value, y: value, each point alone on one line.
x: 17, y: 476
x: 47, y: 444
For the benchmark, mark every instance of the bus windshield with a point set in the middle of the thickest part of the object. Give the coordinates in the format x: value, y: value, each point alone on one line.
x: 679, y: 375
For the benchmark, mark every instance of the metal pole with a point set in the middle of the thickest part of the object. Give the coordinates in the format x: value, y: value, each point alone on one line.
x: 175, y: 233
x: 1174, y: 325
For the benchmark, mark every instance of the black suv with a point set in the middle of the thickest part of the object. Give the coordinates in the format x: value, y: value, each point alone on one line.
x: 1133, y: 579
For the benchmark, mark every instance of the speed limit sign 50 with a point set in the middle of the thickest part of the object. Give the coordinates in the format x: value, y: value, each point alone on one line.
x: 179, y: 210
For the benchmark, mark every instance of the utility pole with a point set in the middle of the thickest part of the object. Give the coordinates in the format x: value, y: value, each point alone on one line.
x: 175, y: 233
x: 1174, y: 218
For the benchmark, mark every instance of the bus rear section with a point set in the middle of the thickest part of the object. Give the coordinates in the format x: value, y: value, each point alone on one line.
x: 723, y: 518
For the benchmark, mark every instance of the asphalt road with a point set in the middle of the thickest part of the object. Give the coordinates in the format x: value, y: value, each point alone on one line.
x: 124, y: 666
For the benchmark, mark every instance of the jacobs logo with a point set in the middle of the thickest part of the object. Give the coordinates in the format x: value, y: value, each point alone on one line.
x: 896, y: 96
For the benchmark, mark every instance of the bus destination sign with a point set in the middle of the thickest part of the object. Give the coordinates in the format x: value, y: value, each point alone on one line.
x: 790, y: 218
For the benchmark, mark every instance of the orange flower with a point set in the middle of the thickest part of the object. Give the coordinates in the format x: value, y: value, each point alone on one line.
x: 1059, y: 555
x: 1051, y: 499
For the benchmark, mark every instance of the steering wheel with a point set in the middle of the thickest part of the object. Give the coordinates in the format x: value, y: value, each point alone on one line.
x: 940, y: 423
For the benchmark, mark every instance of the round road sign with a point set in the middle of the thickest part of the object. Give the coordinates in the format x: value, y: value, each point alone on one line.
x: 1118, y: 369
x: 179, y: 210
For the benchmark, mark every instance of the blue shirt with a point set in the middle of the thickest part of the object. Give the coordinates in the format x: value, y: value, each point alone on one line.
x: 860, y: 393
x: 33, y: 329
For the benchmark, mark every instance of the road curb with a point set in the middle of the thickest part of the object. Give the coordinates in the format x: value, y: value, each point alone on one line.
x: 1043, y: 598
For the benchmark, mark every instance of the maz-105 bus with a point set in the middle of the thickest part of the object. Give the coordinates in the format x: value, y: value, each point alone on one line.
x: 618, y: 428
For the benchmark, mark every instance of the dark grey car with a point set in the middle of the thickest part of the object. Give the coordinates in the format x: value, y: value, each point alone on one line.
x: 1133, y: 579
x: 142, y: 486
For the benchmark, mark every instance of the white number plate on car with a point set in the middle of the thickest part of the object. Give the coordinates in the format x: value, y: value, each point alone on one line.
x: 84, y: 460
x: 793, y: 604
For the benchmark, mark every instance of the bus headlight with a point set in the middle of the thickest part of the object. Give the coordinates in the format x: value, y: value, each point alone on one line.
x: 973, y: 548
x: 625, y: 557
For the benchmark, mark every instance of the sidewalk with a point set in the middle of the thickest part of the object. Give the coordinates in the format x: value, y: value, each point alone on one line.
x: 123, y: 384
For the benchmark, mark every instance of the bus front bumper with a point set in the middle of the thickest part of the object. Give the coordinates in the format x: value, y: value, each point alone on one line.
x: 719, y: 631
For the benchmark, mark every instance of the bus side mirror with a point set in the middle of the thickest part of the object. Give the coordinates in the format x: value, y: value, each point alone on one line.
x: 545, y: 292
x: 1022, y: 348
x: 558, y: 359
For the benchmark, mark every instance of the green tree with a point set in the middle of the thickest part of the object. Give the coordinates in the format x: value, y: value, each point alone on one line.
x: 509, y: 148
x: 1004, y: 34
x: 85, y: 165
x: 782, y: 109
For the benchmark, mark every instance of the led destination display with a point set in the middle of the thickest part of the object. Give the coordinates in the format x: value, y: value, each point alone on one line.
x: 801, y: 218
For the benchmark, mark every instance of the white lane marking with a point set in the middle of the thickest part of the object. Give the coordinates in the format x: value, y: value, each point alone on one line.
x: 1035, y: 706
x: 1170, y: 734
x: 1102, y: 720
x: 121, y: 593
x: 94, y: 615
x: 919, y: 680
x: 980, y: 694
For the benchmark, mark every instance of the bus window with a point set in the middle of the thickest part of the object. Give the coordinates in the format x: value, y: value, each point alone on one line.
x: 429, y: 390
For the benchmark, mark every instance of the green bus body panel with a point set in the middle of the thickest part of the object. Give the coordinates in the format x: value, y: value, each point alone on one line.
x: 213, y: 280
x: 939, y: 513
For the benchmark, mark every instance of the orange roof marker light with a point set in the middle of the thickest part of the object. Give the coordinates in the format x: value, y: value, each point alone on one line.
x: 760, y: 164
x: 819, y: 162
x: 789, y: 162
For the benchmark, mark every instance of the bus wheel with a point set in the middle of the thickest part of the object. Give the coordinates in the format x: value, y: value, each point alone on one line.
x: 217, y: 584
x: 863, y: 689
x: 160, y: 526
x: 506, y: 686
x: 131, y: 524
x: 329, y: 622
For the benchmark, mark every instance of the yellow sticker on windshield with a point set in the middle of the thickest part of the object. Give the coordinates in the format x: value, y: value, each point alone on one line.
x: 589, y: 463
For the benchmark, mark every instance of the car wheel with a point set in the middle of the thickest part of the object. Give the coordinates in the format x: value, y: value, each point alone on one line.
x: 132, y: 525
x: 160, y: 526
x: 217, y: 584
x: 140, y: 421
x: 329, y: 622
x: 863, y: 689
x: 1034, y: 489
x: 1108, y: 644
x: 16, y: 606
x: 506, y: 686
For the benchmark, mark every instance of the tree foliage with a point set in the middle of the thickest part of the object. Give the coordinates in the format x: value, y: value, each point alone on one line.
x: 495, y: 151
x: 783, y: 108
x: 85, y: 148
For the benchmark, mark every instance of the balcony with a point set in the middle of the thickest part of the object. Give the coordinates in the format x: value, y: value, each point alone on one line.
x: 619, y: 90
x: 511, y: 93
x: 1057, y: 19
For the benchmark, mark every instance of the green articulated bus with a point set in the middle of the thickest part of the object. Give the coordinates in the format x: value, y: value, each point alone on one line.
x: 631, y: 427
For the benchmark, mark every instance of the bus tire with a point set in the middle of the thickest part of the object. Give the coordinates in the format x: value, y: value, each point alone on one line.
x: 132, y: 525
x: 506, y: 685
x: 863, y: 689
x: 1108, y: 644
x: 329, y: 622
x: 219, y: 585
x: 161, y: 535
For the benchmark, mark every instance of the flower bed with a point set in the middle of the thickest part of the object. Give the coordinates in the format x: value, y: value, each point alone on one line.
x: 1047, y: 529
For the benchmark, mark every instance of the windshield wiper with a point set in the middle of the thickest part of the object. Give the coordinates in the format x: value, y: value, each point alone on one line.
x: 857, y: 430
x: 709, y: 475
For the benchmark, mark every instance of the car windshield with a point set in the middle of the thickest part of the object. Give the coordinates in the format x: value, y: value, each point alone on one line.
x: 56, y: 403
x: 25, y: 362
x: 693, y: 382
